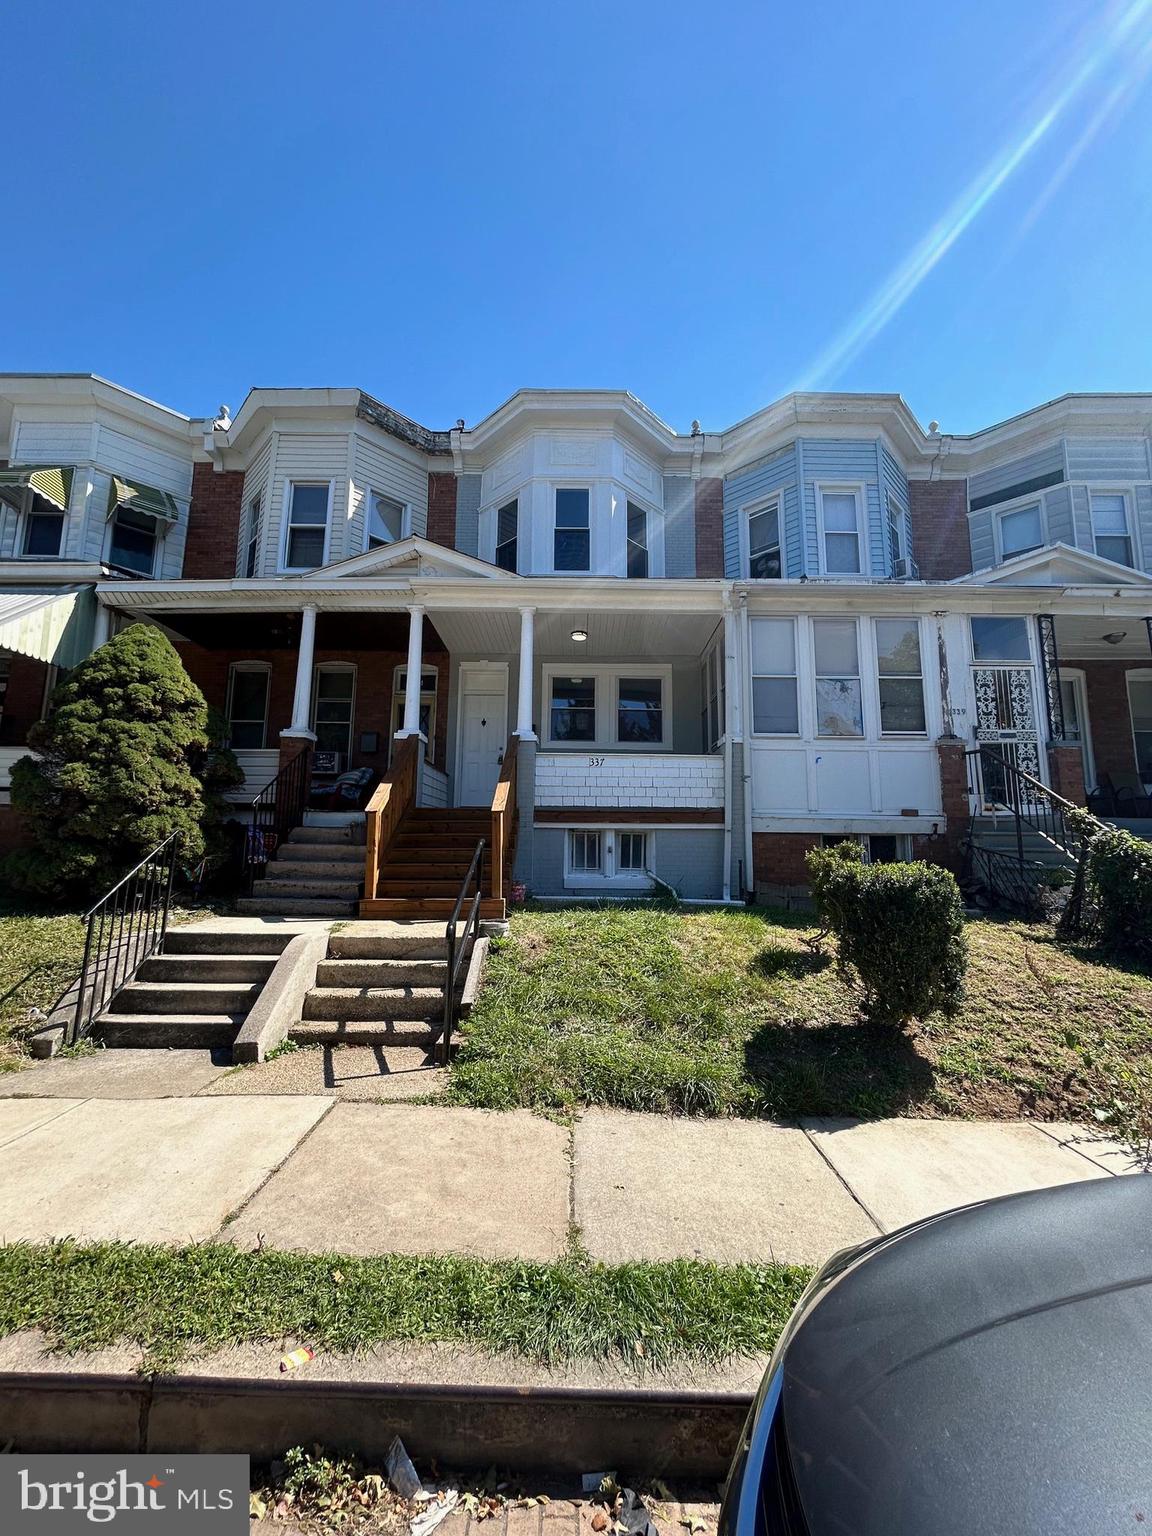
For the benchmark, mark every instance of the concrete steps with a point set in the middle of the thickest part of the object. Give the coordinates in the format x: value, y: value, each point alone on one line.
x: 168, y: 1031
x: 381, y: 984
x: 381, y: 973
x: 318, y: 871
x: 999, y: 835
x: 373, y: 1003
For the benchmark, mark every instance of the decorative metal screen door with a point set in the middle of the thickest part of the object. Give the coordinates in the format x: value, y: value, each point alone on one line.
x: 1006, y: 720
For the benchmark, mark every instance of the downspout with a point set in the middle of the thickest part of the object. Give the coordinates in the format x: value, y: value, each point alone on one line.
x: 726, y: 889
x: 746, y: 777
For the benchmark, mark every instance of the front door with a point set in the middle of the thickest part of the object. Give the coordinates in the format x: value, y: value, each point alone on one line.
x: 483, y: 701
x: 1006, y: 721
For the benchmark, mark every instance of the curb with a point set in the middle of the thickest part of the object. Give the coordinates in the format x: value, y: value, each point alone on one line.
x: 688, y: 1434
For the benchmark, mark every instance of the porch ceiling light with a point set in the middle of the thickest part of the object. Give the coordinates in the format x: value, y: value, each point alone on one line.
x: 1115, y: 636
x: 582, y: 634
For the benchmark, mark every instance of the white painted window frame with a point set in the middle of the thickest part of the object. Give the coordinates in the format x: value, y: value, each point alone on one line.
x: 891, y: 504
x: 801, y: 700
x: 432, y: 695
x: 609, y: 876
x: 904, y: 839
x: 405, y: 515
x: 510, y: 501
x: 1138, y: 675
x: 607, y: 680
x: 335, y: 666
x: 1128, y: 492
x: 589, y: 487
x: 1077, y: 677
x: 1020, y: 504
x: 858, y: 489
x: 284, y: 569
x: 24, y: 523
x: 747, y: 512
x: 160, y: 531
x: 250, y: 666
x: 253, y: 513
x: 874, y: 647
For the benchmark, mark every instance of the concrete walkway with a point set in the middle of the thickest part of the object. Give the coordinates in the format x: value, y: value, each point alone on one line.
x: 305, y: 1171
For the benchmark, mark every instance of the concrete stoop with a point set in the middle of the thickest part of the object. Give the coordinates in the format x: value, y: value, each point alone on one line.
x: 317, y: 872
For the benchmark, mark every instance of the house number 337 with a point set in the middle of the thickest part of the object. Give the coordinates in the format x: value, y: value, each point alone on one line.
x: 595, y: 762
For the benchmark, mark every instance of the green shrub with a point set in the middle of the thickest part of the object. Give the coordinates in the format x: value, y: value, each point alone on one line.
x: 900, y: 927
x: 1120, y: 876
x: 115, y: 768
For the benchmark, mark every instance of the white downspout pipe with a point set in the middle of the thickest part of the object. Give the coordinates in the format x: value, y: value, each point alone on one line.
x: 746, y: 696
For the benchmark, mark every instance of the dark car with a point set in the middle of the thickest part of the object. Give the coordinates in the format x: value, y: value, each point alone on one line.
x: 986, y: 1371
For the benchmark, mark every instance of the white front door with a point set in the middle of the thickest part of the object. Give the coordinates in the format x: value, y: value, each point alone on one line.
x: 483, y: 725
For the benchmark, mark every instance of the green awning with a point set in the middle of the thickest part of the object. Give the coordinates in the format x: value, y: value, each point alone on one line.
x: 142, y: 498
x: 52, y: 624
x: 53, y: 483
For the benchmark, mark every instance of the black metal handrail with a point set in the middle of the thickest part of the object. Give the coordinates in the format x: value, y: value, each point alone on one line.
x: 1004, y: 877
x: 277, y: 810
x: 458, y: 946
x: 122, y: 930
x: 995, y: 779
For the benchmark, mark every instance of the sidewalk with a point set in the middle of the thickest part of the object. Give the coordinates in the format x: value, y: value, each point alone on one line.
x: 312, y: 1173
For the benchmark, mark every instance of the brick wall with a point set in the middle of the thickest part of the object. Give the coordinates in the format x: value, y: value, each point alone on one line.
x: 1066, y: 773
x: 1110, y: 718
x: 372, y: 705
x: 709, y: 527
x: 213, y: 522
x: 778, y: 857
x: 953, y: 801
x: 939, y: 512
x: 24, y: 699
x: 442, y: 508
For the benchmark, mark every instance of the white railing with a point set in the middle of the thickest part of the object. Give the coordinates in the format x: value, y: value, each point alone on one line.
x: 668, y: 780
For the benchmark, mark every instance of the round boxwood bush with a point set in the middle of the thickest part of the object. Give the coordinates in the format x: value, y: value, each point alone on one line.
x: 1120, y: 874
x: 899, y: 927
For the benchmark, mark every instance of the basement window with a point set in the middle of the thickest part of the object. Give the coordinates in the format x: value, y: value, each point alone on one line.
x: 616, y: 856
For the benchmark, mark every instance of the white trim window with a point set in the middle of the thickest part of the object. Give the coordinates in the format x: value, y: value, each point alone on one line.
x: 43, y: 533
x: 334, y: 706
x: 1111, y: 526
x: 252, y: 535
x: 763, y: 528
x: 248, y: 685
x: 638, y: 554
x: 428, y: 681
x: 841, y: 513
x: 775, y: 694
x: 572, y: 539
x: 839, y: 696
x: 625, y: 708
x: 508, y: 535
x: 1140, y: 709
x: 386, y: 521
x: 133, y: 541
x: 308, y: 513
x: 875, y: 847
x: 617, y: 856
x: 900, y: 677
x: 714, y: 722
x: 896, y: 532
x: 1020, y: 530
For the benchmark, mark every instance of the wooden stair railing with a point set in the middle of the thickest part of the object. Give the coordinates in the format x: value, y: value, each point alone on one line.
x: 504, y: 817
x: 393, y: 798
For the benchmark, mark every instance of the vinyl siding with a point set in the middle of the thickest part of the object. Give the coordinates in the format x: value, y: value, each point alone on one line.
x: 980, y: 537
x: 680, y: 526
x: 831, y: 462
x: 1082, y: 518
x: 895, y: 484
x: 256, y: 484
x: 1002, y: 477
x: 1109, y: 458
x: 468, y: 513
x: 751, y: 484
x: 392, y: 474
x: 307, y: 456
x: 1144, y: 524
x: 1058, y: 511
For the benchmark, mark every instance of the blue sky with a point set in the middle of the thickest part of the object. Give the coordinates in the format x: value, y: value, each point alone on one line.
x: 708, y: 205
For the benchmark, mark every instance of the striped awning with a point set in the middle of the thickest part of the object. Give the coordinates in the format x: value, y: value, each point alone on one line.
x: 54, y: 483
x: 142, y: 498
x: 53, y: 624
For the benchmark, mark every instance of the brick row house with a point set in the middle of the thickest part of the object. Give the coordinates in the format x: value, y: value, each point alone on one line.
x: 706, y: 651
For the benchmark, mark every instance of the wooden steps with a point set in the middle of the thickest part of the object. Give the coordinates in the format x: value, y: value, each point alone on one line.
x: 424, y: 867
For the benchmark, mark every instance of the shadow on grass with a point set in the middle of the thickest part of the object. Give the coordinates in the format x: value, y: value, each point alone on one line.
x: 777, y: 960
x: 850, y: 1069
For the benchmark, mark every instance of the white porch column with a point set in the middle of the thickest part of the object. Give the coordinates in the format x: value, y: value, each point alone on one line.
x: 524, y: 705
x: 411, y: 726
x: 302, y: 703
x: 102, y: 628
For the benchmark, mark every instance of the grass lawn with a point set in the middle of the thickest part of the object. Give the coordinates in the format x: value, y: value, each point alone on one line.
x: 178, y: 1302
x: 728, y: 1012
x: 40, y: 956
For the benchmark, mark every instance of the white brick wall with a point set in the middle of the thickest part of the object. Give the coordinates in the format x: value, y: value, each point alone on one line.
x: 665, y: 779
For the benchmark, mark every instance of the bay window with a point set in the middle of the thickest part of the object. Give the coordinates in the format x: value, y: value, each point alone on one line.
x: 637, y: 540
x: 775, y: 702
x: 252, y: 536
x: 43, y: 534
x: 900, y: 677
x: 572, y: 548
x: 133, y: 541
x: 764, y: 541
x: 306, y: 532
x: 1020, y: 531
x: 1110, y: 531
x: 840, y: 520
x: 386, y: 520
x: 839, y: 698
x: 507, y: 535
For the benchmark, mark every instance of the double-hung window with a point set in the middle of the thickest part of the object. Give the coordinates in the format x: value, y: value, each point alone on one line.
x: 775, y: 703
x: 43, y: 533
x: 573, y: 709
x: 608, y: 707
x: 333, y: 699
x: 840, y: 520
x: 386, y: 518
x: 133, y: 541
x: 637, y: 540
x: 712, y: 690
x: 1140, y: 706
x: 900, y: 677
x: 764, y: 542
x: 640, y: 711
x: 572, y: 549
x: 894, y: 527
x: 1110, y: 529
x: 306, y: 537
x: 252, y: 536
x: 839, y: 698
x: 248, y: 705
x: 507, y: 535
x: 1021, y: 531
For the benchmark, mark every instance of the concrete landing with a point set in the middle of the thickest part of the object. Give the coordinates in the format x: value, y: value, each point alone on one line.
x: 365, y: 1072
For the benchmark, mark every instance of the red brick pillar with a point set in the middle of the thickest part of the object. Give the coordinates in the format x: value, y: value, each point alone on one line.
x: 1066, y: 772
x: 709, y: 527
x: 953, y: 798
x: 442, y: 508
x: 291, y: 748
x: 210, y: 549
